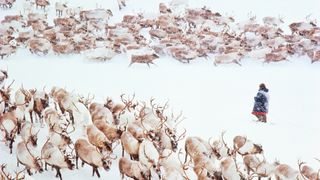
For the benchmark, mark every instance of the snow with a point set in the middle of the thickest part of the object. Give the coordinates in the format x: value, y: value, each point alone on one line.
x: 213, y: 98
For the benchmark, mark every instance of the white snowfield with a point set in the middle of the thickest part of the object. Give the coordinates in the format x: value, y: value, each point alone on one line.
x: 213, y: 98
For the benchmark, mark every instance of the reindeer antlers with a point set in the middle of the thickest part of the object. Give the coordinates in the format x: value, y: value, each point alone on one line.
x: 225, y: 144
x: 300, y: 163
x: 8, y: 176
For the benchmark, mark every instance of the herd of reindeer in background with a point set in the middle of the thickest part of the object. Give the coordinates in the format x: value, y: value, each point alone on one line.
x: 184, y: 34
x: 77, y: 127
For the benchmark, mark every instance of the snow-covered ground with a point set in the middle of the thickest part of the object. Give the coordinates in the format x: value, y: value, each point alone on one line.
x: 213, y: 98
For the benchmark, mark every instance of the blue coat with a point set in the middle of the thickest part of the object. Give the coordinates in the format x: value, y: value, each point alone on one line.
x: 261, y: 101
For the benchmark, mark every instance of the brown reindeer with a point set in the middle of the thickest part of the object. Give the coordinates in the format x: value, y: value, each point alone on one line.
x: 26, y: 158
x: 55, y: 158
x: 133, y: 169
x: 9, y: 125
x: 42, y: 4
x: 88, y: 154
x: 144, y: 58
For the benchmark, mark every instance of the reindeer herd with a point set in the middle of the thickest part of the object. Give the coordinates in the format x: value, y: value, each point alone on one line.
x: 183, y: 35
x: 78, y: 128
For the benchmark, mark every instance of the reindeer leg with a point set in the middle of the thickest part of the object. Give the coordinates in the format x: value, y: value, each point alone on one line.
x: 45, y: 166
x: 82, y: 164
x: 29, y: 171
x: 77, y: 158
x: 17, y: 163
x: 185, y: 158
x: 93, y: 170
x: 122, y: 151
x: 19, y: 126
x: 30, y: 113
x: 248, y: 170
x: 60, y: 174
x: 10, y: 146
x: 97, y: 172
x: 71, y: 116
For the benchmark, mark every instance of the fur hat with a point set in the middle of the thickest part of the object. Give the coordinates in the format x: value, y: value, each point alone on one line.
x: 263, y: 87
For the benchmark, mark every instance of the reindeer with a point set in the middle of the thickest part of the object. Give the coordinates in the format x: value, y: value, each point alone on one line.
x: 37, y: 45
x: 230, y: 169
x: 28, y: 134
x: 26, y: 158
x: 143, y: 58
x: 121, y: 4
x: 233, y: 57
x: 5, y: 93
x: 158, y: 33
x: 169, y: 140
x: 24, y: 37
x: 55, y: 158
x: 100, y: 113
x: 88, y: 154
x: 9, y: 126
x: 42, y: 4
x: 259, y: 167
x: 32, y: 17
x: 194, y: 147
x: 7, y: 50
x: 133, y: 169
x: 244, y: 146
x: 314, y: 55
x: 123, y: 113
x: 285, y: 172
x: 205, y: 168
x: 149, y: 156
x: 98, y: 139
x: 272, y: 21
x: 6, y: 3
x: 62, y: 48
x: 172, y: 165
x: 65, y: 100
x: 53, y: 119
x: 163, y: 9
x: 60, y: 136
x: 3, y: 76
x: 96, y: 14
x: 113, y: 134
x: 41, y: 102
x: 60, y: 7
x: 308, y: 172
x: 131, y: 145
x: 24, y: 102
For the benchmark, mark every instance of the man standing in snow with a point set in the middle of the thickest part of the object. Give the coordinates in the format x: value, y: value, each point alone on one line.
x: 261, y: 103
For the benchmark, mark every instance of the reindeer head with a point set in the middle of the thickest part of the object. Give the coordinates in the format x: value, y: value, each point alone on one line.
x: 109, y: 104
x: 34, y: 138
x: 5, y: 75
x: 109, y: 12
x: 36, y: 160
x: 257, y: 148
x: 45, y: 101
x: 146, y: 174
x: 215, y: 175
x: 38, y: 163
x: 67, y: 159
x: 171, y: 133
x: 107, y: 161
x: 108, y: 146
x: 9, y: 136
